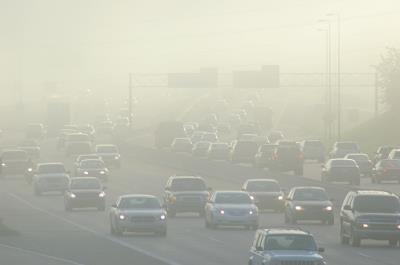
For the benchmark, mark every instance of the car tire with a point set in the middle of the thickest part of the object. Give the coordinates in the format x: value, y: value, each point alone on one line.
x: 355, y: 241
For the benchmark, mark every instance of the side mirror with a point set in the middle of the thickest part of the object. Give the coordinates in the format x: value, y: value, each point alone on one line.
x: 320, y: 250
x: 114, y: 205
x: 347, y: 208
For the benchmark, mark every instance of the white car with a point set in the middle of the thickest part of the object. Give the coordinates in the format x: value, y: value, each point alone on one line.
x: 48, y: 177
x: 231, y: 208
x: 142, y: 213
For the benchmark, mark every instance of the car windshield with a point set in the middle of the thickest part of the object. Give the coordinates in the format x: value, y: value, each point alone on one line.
x: 377, y: 204
x: 189, y: 184
x: 51, y: 168
x: 347, y: 146
x: 86, y: 157
x: 107, y: 149
x: 390, y: 163
x: 263, y: 186
x: 232, y: 198
x: 310, y: 195
x: 139, y: 203
x: 92, y: 163
x: 343, y: 163
x: 85, y: 184
x: 290, y: 242
x: 14, y: 155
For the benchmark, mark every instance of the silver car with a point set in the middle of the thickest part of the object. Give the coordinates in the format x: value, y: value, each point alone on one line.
x: 231, y: 208
x: 48, y: 177
x: 138, y: 213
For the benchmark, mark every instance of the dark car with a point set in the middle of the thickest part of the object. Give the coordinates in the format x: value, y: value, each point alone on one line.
x: 266, y: 193
x: 14, y: 162
x: 109, y: 153
x: 363, y: 162
x: 263, y: 158
x: 185, y: 194
x: 200, y: 149
x: 341, y: 170
x: 92, y: 168
x: 382, y: 153
x: 341, y: 149
x: 370, y: 214
x: 85, y: 192
x: 313, y: 150
x: 288, y: 157
x: 243, y: 151
x: 308, y: 203
x: 386, y: 169
x: 219, y: 151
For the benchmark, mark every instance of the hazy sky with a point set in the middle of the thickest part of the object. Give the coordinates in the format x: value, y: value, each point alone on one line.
x: 97, y: 42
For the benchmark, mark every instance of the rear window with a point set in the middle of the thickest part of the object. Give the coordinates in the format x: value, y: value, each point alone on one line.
x: 343, y: 163
x: 377, y: 204
x: 246, y: 146
x: 51, y: 168
x: 14, y: 155
x: 310, y: 195
x: 188, y: 184
x: 263, y: 186
x: 290, y: 242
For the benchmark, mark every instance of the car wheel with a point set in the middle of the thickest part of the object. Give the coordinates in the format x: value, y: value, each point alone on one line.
x: 354, y: 239
x: 393, y: 242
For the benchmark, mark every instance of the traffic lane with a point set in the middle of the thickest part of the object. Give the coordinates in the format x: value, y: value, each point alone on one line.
x: 312, y: 170
x: 43, y: 235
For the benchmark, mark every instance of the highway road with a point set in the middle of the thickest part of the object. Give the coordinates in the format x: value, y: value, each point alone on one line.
x: 49, y: 235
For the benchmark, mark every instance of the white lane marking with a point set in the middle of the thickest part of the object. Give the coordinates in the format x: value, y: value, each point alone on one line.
x: 87, y: 229
x: 215, y: 240
x: 39, y: 254
x: 364, y: 255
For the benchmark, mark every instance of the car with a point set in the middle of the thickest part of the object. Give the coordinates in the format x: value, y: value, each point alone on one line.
x: 84, y: 192
x: 308, y: 203
x: 275, y: 136
x: 77, y: 137
x: 341, y: 149
x: 234, y: 120
x: 137, y: 212
x: 109, y: 153
x: 287, y: 156
x: 382, y: 153
x: 243, y: 152
x: 363, y: 162
x: 285, y: 246
x: 92, y: 168
x: 231, y: 208
x: 386, y: 169
x: 87, y: 129
x: 266, y: 193
x: 340, y: 169
x: 50, y: 177
x: 35, y: 131
x: 84, y: 157
x: 263, y: 157
x: 247, y: 128
x: 394, y: 154
x: 166, y: 132
x: 207, y: 127
x: 224, y: 128
x: 31, y: 147
x: 182, y: 145
x: 62, y: 138
x: 197, y: 136
x: 261, y: 139
x: 14, y: 162
x: 370, y: 214
x: 210, y: 137
x: 78, y: 148
x: 105, y: 128
x: 184, y: 194
x: 313, y: 150
x: 200, y: 149
x: 219, y: 151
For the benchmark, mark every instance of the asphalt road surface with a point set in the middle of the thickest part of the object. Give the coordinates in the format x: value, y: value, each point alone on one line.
x: 50, y: 235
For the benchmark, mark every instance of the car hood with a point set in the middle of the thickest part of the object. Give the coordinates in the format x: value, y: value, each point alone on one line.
x: 304, y: 255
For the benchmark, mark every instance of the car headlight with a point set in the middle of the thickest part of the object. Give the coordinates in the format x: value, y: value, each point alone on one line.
x: 3, y: 164
x: 72, y: 195
x: 163, y: 217
x: 252, y: 198
x: 364, y: 225
x: 102, y: 194
x: 30, y: 169
x: 86, y: 173
x: 102, y: 172
x: 280, y: 197
x: 398, y: 226
x: 116, y: 157
x: 298, y: 208
x: 328, y: 208
x: 121, y: 217
x: 222, y: 212
x: 252, y: 212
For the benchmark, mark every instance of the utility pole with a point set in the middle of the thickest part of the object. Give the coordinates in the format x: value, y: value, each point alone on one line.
x: 130, y: 100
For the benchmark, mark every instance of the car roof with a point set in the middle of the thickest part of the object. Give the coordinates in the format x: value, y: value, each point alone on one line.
x: 285, y: 231
x: 308, y: 188
x: 186, y: 177
x: 266, y: 180
x: 374, y: 192
x: 52, y: 163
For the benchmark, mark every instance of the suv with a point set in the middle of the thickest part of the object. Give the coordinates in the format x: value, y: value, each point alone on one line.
x: 370, y: 214
x: 285, y: 246
x: 287, y: 157
x: 313, y: 150
x: 185, y: 194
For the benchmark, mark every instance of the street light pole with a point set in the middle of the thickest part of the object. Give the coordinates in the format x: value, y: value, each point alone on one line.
x: 130, y: 100
x: 339, y: 128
